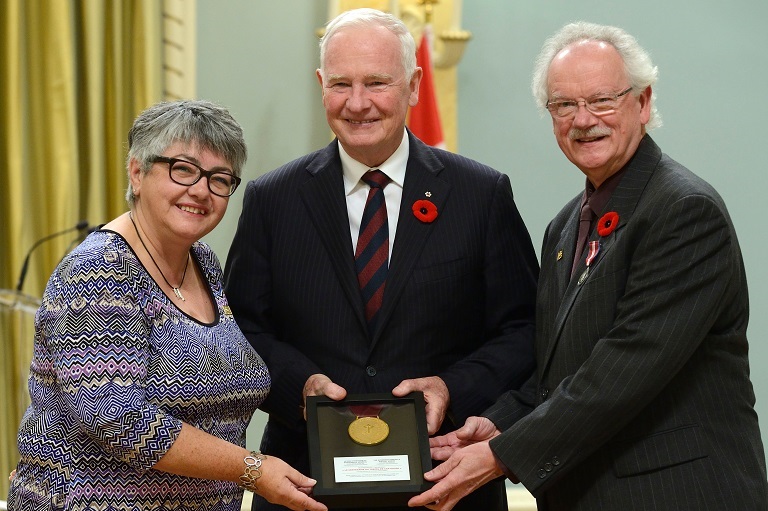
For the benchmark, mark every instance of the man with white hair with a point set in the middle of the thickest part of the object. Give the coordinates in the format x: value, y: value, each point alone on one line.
x: 642, y: 397
x: 444, y: 302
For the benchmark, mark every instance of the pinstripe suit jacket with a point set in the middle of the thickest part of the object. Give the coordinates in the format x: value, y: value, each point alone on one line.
x: 642, y: 394
x: 459, y: 299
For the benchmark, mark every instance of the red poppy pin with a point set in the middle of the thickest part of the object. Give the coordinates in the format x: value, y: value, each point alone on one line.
x: 424, y: 210
x: 608, y: 222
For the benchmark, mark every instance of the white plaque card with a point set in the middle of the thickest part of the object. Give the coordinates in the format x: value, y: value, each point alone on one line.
x: 352, y: 469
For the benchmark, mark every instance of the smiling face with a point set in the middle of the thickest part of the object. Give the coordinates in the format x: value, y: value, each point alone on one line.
x: 173, y: 213
x: 598, y: 145
x: 365, y: 92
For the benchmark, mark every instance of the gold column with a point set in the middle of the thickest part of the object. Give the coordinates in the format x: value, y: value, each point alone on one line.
x: 179, y: 49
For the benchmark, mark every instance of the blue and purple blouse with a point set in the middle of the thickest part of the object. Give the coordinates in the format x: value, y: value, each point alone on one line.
x: 116, y: 369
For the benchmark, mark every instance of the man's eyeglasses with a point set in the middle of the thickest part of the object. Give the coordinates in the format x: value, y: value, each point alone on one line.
x: 599, y: 104
x: 186, y: 173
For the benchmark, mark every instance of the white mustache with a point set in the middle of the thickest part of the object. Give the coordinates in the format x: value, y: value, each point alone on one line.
x: 595, y: 131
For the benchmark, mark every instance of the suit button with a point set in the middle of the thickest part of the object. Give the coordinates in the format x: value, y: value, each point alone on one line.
x: 555, y: 460
x: 370, y: 371
x: 542, y: 473
x: 548, y: 467
x: 544, y: 394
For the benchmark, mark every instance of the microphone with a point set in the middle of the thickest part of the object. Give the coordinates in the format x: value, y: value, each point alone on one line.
x: 80, y: 226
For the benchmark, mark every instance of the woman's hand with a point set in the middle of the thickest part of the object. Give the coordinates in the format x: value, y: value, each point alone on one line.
x: 282, y: 484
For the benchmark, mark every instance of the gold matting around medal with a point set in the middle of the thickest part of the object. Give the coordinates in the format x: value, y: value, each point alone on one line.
x: 368, y: 430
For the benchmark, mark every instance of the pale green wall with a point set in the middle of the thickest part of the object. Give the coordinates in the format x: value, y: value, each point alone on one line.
x: 258, y: 57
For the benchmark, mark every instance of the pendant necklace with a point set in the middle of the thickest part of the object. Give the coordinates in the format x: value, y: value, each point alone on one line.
x: 176, y: 290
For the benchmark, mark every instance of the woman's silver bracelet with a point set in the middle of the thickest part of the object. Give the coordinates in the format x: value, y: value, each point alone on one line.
x: 252, y: 471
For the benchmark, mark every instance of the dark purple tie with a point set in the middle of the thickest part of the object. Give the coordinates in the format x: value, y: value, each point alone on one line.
x: 585, y: 224
x: 372, y: 249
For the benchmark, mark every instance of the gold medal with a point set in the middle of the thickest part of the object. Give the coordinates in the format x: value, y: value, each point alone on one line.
x: 368, y: 430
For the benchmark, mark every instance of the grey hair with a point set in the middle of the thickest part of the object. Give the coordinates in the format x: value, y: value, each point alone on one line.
x: 640, y: 71
x: 197, y: 122
x: 372, y: 18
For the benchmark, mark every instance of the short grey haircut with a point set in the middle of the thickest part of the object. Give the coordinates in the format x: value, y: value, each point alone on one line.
x: 640, y: 71
x: 193, y: 122
x: 372, y: 18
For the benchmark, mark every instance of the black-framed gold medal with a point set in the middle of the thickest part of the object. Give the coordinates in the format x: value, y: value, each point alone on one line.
x: 368, y: 450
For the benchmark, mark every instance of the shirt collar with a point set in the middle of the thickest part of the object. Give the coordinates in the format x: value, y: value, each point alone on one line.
x: 393, y: 167
x: 599, y: 197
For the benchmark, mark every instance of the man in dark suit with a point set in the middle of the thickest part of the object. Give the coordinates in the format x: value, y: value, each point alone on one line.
x: 453, y: 316
x: 641, y: 398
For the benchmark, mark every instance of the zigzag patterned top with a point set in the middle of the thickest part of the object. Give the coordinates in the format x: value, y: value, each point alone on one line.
x: 116, y: 368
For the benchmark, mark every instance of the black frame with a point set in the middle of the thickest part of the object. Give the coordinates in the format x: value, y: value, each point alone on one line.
x: 328, y: 439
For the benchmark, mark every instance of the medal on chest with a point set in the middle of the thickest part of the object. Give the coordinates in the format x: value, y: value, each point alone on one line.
x: 594, y: 248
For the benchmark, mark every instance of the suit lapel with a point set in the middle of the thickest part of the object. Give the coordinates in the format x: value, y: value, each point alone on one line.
x: 324, y: 198
x: 623, y: 201
x: 421, y: 177
x: 567, y: 243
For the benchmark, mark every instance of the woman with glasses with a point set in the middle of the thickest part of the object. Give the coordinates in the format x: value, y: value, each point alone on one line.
x: 142, y: 384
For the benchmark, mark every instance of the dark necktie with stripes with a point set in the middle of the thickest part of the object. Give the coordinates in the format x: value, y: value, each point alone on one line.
x: 372, y: 249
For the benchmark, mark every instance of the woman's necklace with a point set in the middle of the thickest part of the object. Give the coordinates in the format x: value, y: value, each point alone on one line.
x: 176, y: 290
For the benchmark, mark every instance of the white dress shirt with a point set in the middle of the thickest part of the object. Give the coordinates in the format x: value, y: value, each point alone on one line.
x: 356, y: 190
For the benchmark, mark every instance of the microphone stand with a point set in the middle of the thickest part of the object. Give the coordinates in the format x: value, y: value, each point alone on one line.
x: 80, y: 226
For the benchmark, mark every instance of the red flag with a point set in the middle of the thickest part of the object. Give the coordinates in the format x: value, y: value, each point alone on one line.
x: 424, y: 120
